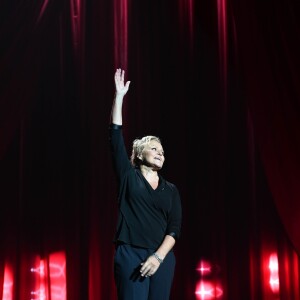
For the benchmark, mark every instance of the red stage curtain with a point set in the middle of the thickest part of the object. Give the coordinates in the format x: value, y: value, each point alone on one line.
x: 216, y: 80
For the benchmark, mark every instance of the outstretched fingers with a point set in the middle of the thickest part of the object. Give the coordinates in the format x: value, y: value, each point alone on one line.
x: 119, y: 81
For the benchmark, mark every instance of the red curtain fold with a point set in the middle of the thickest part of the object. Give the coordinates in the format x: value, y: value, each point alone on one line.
x: 269, y: 51
x: 217, y: 81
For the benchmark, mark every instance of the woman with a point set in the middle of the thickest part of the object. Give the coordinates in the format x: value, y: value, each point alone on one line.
x: 149, y: 219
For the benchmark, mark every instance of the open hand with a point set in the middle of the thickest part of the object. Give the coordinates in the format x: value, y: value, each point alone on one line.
x: 121, y: 88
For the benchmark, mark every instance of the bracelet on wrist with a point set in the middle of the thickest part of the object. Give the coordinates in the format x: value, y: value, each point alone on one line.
x: 160, y: 260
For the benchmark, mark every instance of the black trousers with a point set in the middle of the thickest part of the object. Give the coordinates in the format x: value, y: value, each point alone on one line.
x: 130, y: 285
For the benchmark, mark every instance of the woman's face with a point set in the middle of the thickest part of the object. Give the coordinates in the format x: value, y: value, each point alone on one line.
x: 153, y: 155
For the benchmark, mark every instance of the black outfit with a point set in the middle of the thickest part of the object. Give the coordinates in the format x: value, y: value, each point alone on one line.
x: 146, y: 215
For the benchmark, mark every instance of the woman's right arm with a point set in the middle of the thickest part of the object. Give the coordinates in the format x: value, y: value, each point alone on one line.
x: 120, y: 91
x: 118, y: 151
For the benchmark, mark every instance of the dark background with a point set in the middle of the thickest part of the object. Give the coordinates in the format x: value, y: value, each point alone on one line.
x: 218, y: 81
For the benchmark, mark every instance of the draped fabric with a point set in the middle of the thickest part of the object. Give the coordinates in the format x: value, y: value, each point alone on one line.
x: 217, y: 81
x: 272, y: 76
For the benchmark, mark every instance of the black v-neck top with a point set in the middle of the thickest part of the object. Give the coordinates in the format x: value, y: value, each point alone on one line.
x: 146, y: 215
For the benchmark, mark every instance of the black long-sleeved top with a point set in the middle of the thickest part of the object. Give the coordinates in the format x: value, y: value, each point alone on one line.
x: 146, y: 215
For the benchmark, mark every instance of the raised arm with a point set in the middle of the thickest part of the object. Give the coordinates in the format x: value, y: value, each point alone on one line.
x: 120, y: 91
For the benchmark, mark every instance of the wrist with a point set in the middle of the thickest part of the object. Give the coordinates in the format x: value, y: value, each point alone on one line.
x: 119, y: 95
x: 160, y: 260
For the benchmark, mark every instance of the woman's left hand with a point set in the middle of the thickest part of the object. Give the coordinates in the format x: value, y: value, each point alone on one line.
x: 149, y: 267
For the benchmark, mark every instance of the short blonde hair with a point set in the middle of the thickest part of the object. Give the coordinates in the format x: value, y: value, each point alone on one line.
x: 138, y: 146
